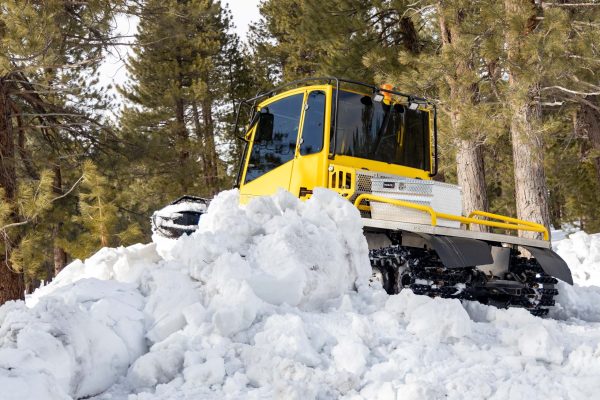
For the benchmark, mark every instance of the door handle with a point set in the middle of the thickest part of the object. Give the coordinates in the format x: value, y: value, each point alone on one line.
x: 304, y: 191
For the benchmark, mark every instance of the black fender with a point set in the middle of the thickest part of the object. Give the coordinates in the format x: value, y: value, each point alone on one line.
x: 552, y: 263
x: 459, y: 252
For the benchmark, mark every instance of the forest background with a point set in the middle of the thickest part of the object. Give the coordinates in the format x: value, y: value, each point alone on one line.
x: 517, y: 83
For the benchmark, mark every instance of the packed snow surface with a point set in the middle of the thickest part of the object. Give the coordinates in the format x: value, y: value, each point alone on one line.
x: 272, y: 300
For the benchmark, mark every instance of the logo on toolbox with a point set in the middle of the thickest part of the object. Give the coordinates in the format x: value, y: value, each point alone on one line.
x: 392, y: 185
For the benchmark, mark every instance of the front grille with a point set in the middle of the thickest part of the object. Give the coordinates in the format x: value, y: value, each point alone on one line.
x: 364, y: 185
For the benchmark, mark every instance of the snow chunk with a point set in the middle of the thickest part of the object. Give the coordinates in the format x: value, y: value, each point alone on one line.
x: 155, y: 367
x: 537, y: 342
x: 350, y: 355
x: 288, y: 251
x: 431, y: 319
x: 72, y: 340
x: 210, y: 372
x: 285, y: 336
x: 582, y: 253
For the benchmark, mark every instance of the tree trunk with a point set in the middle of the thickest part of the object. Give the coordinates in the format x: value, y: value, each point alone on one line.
x: 471, y: 177
x: 183, y: 142
x: 588, y: 124
x: 60, y: 256
x: 209, y: 144
x: 531, y: 193
x: 11, y: 283
x: 469, y: 154
x: 200, y: 133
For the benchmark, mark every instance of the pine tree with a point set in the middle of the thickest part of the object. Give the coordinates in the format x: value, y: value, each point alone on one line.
x: 364, y: 38
x: 98, y: 216
x: 572, y: 98
x: 542, y: 41
x: 522, y: 42
x: 49, y: 53
x: 34, y: 202
x: 469, y: 72
x: 281, y: 41
x: 240, y: 78
x: 175, y: 91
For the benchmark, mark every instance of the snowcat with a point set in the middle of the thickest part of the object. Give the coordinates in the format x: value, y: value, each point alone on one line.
x: 377, y: 147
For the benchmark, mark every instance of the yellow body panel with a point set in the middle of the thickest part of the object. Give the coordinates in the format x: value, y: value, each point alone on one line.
x: 338, y: 172
x: 278, y: 178
x: 268, y: 184
x: 310, y: 171
x: 378, y: 166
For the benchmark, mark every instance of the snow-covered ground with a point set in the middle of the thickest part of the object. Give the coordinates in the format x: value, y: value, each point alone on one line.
x: 272, y: 301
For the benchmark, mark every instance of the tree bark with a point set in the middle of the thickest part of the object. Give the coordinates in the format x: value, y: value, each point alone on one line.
x: 209, y: 144
x: 531, y: 193
x: 11, y: 283
x: 200, y: 133
x: 471, y: 177
x: 183, y: 141
x: 60, y: 255
x: 588, y: 124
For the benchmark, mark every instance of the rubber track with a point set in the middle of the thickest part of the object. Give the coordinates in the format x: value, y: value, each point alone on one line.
x: 426, y: 275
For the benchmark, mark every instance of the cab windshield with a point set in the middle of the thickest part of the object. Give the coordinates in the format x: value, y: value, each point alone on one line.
x: 390, y: 133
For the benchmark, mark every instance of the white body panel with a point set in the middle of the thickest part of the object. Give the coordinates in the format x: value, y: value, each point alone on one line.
x: 442, y: 197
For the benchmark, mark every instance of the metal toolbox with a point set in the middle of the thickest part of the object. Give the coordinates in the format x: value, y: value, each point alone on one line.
x: 442, y: 197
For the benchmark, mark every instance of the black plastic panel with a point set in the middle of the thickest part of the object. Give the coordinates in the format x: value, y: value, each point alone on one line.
x: 552, y: 264
x: 458, y: 252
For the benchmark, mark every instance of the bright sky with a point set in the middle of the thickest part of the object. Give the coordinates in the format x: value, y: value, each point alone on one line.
x: 113, y: 70
x: 244, y: 12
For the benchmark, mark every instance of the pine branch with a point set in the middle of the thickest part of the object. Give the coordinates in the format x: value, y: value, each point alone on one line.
x: 33, y: 56
x: 25, y: 222
x: 588, y: 103
x: 14, y: 224
x: 591, y: 4
x: 68, y: 191
x: 571, y: 91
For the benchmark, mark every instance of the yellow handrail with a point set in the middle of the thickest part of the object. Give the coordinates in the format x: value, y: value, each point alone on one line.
x: 517, y: 225
x: 400, y: 203
x: 513, y: 220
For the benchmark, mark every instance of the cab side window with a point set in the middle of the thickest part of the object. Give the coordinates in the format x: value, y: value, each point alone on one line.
x: 314, y: 123
x: 275, y: 137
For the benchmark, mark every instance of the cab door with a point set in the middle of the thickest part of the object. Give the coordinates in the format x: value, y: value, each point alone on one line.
x: 270, y: 156
x: 310, y: 162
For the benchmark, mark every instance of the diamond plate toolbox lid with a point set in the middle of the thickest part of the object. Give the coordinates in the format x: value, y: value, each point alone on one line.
x: 402, y: 186
x: 442, y: 197
x: 410, y: 186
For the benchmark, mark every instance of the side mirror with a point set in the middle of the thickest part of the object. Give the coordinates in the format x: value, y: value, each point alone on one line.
x: 366, y: 100
x: 264, y: 130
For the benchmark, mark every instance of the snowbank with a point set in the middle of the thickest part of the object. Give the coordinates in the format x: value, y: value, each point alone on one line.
x: 271, y: 301
x: 582, y: 252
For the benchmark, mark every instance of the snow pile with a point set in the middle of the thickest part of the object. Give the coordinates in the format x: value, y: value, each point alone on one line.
x: 271, y: 301
x: 582, y: 252
x: 94, y: 322
x: 77, y: 338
